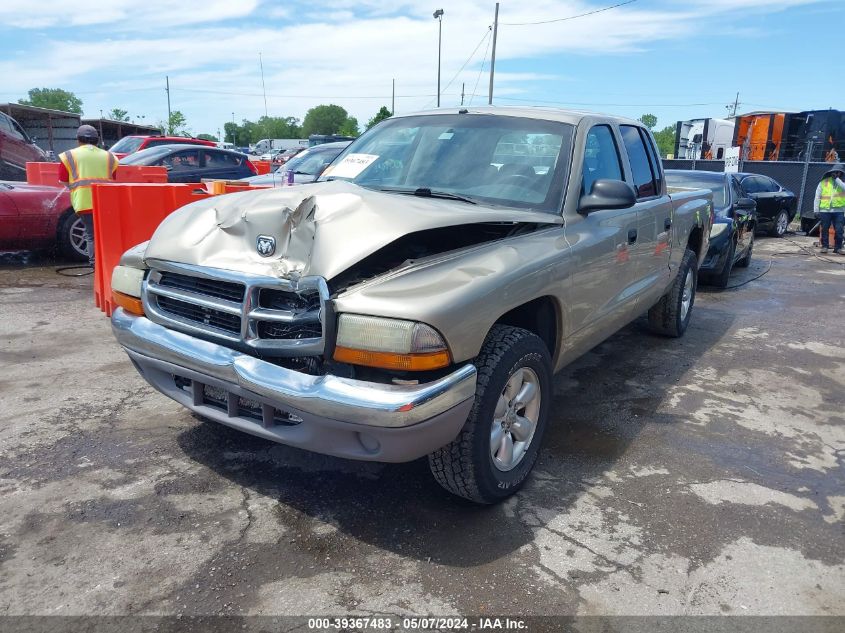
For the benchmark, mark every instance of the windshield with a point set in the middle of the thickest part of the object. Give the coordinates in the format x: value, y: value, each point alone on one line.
x: 145, y: 156
x: 691, y: 181
x: 311, y: 162
x: 510, y: 161
x: 127, y: 144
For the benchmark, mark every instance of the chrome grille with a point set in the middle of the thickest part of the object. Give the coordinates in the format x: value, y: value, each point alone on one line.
x: 210, y: 287
x: 264, y: 315
x: 201, y: 314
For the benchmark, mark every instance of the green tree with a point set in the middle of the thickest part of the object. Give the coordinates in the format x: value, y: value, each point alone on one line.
x: 277, y: 127
x: 665, y: 139
x: 649, y: 120
x: 54, y: 99
x: 207, y: 137
x: 349, y: 127
x: 177, y: 125
x: 325, y: 119
x: 118, y: 114
x: 380, y: 116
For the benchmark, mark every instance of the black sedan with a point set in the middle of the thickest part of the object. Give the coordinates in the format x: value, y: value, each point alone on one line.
x: 776, y: 206
x: 732, y: 235
x: 192, y: 163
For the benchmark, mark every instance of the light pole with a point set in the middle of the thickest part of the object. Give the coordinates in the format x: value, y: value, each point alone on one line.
x: 438, y: 15
x: 233, y: 129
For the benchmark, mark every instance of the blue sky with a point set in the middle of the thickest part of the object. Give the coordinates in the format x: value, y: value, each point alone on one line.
x: 674, y: 59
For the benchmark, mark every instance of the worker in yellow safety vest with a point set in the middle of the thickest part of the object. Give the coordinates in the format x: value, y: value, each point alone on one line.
x: 829, y: 207
x: 82, y: 167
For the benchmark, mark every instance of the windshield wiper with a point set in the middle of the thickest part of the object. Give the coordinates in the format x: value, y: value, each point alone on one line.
x: 425, y: 192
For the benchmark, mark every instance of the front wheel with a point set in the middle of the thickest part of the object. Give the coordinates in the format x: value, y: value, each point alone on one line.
x: 746, y: 259
x: 721, y: 280
x: 671, y: 315
x: 781, y: 224
x: 495, y: 451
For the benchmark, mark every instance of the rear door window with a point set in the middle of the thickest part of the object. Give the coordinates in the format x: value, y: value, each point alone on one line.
x: 752, y: 184
x: 601, y: 157
x: 221, y: 160
x: 641, y: 169
x: 183, y: 161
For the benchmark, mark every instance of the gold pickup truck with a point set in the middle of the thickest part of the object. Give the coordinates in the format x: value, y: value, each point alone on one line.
x: 418, y: 299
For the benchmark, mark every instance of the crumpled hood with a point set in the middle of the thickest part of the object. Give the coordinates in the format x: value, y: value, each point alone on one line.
x: 319, y: 229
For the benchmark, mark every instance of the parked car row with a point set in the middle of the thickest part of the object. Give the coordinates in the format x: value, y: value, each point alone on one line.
x: 744, y: 204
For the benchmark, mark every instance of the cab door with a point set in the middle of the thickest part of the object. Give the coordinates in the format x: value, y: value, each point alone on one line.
x: 651, y: 248
x: 600, y: 245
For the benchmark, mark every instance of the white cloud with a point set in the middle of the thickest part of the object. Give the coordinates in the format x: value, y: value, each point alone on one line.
x: 345, y: 51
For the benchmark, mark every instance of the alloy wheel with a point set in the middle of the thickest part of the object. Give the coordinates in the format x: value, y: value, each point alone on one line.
x: 515, y: 419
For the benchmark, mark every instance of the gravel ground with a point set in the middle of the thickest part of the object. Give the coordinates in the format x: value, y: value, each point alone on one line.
x: 697, y: 476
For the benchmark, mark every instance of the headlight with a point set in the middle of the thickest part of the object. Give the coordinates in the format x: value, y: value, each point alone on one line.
x: 126, y: 288
x: 389, y: 343
x: 718, y: 228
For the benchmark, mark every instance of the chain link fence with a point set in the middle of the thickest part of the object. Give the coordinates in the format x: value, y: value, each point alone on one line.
x: 800, y: 177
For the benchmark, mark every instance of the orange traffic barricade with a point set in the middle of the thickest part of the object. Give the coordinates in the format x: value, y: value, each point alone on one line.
x: 47, y: 174
x: 262, y: 166
x: 126, y: 215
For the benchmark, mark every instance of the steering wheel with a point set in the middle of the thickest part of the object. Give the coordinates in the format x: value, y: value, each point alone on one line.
x: 519, y: 180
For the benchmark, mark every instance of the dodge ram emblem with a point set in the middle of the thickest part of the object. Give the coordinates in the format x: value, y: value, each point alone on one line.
x: 266, y: 245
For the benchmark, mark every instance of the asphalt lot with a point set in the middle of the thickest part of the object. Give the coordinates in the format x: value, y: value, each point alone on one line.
x: 697, y: 476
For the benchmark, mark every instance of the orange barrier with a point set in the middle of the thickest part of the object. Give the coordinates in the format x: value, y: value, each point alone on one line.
x: 126, y: 215
x: 43, y: 174
x: 47, y: 174
x: 262, y: 166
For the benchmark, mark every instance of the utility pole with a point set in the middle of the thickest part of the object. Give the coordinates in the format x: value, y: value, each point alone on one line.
x: 493, y: 56
x: 167, y: 90
x: 438, y: 15
x: 263, y: 89
x: 735, y: 106
x: 393, y: 99
x: 463, y: 87
x: 234, y: 127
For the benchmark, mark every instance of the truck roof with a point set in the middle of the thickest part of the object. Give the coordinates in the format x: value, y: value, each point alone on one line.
x: 572, y: 117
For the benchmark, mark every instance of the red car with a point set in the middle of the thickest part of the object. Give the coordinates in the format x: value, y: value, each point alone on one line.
x: 16, y: 149
x: 130, y: 144
x: 36, y: 216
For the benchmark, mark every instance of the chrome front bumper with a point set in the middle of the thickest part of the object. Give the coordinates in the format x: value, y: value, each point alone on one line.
x: 337, y: 416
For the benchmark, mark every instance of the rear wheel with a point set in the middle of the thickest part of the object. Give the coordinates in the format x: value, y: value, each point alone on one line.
x: 71, y: 238
x: 781, y: 224
x: 671, y: 315
x: 496, y: 450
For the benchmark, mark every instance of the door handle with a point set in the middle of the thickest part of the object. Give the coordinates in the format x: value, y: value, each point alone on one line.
x: 667, y: 224
x: 632, y: 236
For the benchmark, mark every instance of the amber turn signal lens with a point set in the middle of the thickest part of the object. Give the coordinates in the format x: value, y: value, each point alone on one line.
x: 388, y: 360
x: 132, y: 305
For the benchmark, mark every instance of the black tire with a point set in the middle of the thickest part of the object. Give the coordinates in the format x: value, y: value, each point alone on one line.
x: 780, y: 225
x: 68, y: 224
x: 465, y: 467
x: 746, y: 260
x: 666, y: 316
x: 721, y: 279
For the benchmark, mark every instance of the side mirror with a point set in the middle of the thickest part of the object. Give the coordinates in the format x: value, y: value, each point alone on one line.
x: 608, y: 194
x: 745, y: 204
